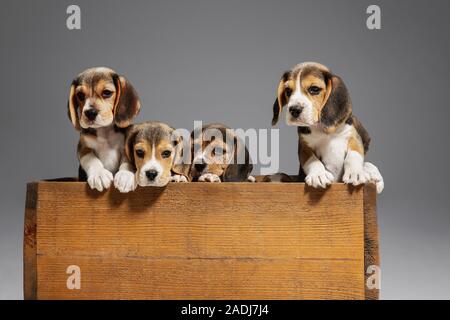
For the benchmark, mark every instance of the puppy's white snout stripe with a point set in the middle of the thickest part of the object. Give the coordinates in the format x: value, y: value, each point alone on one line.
x: 199, y: 159
x: 151, y: 170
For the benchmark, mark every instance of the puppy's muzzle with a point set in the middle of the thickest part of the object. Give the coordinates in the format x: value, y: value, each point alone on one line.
x: 295, y: 111
x: 151, y: 174
x: 91, y: 114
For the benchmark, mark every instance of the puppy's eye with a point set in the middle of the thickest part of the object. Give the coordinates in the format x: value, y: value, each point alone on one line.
x: 106, y: 94
x: 219, y: 151
x: 81, y: 96
x: 314, y: 90
x: 140, y: 153
x: 288, y: 92
x: 166, y: 153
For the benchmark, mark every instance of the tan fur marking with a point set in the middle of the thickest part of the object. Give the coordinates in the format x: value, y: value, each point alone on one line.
x: 73, y: 108
x: 83, y: 150
x: 362, y: 133
x: 318, y: 100
x: 355, y: 144
x: 105, y: 84
x: 291, y: 84
x: 305, y: 151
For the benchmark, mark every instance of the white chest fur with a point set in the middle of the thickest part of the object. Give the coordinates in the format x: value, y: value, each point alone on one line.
x: 330, y: 148
x: 108, y: 147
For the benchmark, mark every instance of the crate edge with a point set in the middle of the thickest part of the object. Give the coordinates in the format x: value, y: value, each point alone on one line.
x: 371, y: 239
x: 29, y: 243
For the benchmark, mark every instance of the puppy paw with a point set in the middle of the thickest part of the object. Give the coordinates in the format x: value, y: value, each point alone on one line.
x: 319, y: 179
x: 209, y: 177
x: 251, y: 179
x: 355, y: 176
x: 100, y: 179
x: 178, y: 178
x: 125, y: 181
x: 375, y: 176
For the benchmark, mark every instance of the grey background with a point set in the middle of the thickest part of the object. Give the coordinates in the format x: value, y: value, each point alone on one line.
x: 221, y: 61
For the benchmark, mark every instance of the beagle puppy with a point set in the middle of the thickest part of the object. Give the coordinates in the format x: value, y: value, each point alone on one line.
x: 219, y: 155
x: 155, y: 152
x: 101, y: 106
x: 332, y: 141
x: 278, y: 177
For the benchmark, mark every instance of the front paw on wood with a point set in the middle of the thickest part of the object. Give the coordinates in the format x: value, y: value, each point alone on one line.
x: 178, y: 178
x: 375, y: 176
x: 209, y: 177
x: 100, y: 179
x: 355, y: 177
x: 124, y: 181
x: 319, y: 179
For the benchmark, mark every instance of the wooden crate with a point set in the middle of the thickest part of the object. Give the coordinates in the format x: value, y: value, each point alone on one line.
x: 200, y: 241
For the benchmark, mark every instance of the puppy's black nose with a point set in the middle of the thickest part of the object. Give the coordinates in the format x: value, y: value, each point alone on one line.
x: 151, y: 174
x: 295, y: 111
x: 200, y: 166
x: 91, y: 114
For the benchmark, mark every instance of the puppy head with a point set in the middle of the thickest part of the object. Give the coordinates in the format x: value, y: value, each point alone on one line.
x: 152, y: 148
x: 312, y: 95
x: 218, y: 151
x: 100, y: 97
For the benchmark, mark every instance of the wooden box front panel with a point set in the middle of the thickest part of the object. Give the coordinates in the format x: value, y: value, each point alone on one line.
x: 196, y: 241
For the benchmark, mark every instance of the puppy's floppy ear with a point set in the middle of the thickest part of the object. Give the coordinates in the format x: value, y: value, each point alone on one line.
x: 280, y: 101
x: 127, y: 104
x: 337, y: 104
x: 238, y: 172
x: 365, y: 137
x: 130, y: 140
x: 72, y: 106
x: 182, y: 159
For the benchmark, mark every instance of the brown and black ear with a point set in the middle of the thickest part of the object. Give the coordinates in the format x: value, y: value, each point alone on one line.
x: 281, y: 100
x: 338, y: 106
x: 72, y: 106
x: 130, y: 140
x: 238, y: 172
x: 127, y: 104
x: 362, y: 132
x: 182, y: 161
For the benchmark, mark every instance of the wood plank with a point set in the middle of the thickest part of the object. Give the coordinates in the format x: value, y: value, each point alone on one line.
x: 183, y: 278
x: 198, y: 220
x: 29, y: 244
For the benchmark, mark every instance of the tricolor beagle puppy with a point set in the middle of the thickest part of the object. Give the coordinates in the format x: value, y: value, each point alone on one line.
x: 101, y: 105
x: 155, y: 152
x: 332, y: 141
x: 219, y: 155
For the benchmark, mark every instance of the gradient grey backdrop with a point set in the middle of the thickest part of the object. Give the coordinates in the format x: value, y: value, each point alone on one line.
x: 221, y: 61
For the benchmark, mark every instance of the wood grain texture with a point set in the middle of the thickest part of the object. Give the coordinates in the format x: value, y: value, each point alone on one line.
x: 201, y: 241
x: 371, y: 241
x: 217, y: 278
